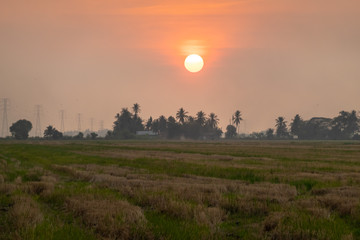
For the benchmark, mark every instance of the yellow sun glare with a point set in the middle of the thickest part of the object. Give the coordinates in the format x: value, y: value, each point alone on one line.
x: 194, y: 63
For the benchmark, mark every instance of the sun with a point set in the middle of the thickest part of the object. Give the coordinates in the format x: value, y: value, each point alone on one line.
x: 194, y: 63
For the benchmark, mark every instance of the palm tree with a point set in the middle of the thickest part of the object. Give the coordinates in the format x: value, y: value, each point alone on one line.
x: 213, y: 120
x: 136, y: 109
x: 200, y: 117
x: 236, y: 118
x: 281, y: 129
x: 181, y: 115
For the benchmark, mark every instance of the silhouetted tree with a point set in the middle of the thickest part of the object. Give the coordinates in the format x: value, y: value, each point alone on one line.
x: 258, y: 135
x: 109, y: 134
x: 93, y: 135
x: 201, y: 118
x: 148, y: 124
x: 213, y: 120
x: 155, y: 126
x: 173, y: 128
x: 53, y: 133
x: 162, y: 125
x: 345, y: 125
x: 316, y: 128
x: 236, y: 119
x: 281, y: 129
x: 126, y: 124
x: 80, y: 135
x: 136, y: 109
x: 297, y: 125
x: 230, y: 131
x: 21, y: 129
x: 269, y: 133
x: 181, y: 115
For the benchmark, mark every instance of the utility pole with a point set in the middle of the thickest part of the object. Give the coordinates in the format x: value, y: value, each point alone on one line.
x: 62, y: 125
x: 37, y: 124
x: 5, y: 125
x: 91, y: 124
x: 79, y: 122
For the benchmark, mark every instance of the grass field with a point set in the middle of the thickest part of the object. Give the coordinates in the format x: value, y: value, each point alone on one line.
x: 179, y: 190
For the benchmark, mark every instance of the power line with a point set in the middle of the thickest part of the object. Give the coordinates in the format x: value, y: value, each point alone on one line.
x: 37, y: 125
x: 5, y: 125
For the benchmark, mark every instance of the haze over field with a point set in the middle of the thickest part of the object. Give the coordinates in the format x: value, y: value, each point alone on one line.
x: 265, y: 58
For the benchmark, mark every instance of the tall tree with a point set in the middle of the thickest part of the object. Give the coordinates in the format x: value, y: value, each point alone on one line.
x: 51, y: 132
x: 200, y: 118
x: 269, y: 133
x: 126, y: 125
x: 281, y: 128
x: 148, y: 123
x: 123, y: 120
x: 136, y: 109
x: 181, y: 115
x: 213, y: 120
x: 236, y: 119
x: 173, y: 128
x: 230, y: 131
x: 345, y: 125
x: 162, y: 124
x: 155, y: 126
x: 21, y: 129
x: 296, y: 126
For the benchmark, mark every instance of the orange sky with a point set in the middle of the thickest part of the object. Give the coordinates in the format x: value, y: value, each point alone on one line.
x: 265, y: 58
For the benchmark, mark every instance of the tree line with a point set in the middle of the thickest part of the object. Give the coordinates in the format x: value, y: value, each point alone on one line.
x: 129, y: 124
x: 182, y: 125
x: 342, y: 127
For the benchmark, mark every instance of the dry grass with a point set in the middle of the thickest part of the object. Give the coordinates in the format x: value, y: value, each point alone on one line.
x: 110, y: 218
x: 39, y: 188
x: 195, y: 198
x: 18, y: 180
x: 314, y: 208
x: 2, y: 179
x: 145, y: 190
x: 25, y: 212
x: 7, y: 188
x: 209, y: 160
x: 344, y: 200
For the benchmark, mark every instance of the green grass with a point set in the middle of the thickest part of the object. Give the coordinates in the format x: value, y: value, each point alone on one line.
x: 167, y: 227
x: 247, y: 173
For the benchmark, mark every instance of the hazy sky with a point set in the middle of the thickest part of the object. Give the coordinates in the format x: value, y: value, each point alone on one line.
x: 265, y: 58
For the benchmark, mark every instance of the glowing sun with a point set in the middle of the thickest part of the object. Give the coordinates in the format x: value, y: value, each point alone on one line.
x: 194, y: 63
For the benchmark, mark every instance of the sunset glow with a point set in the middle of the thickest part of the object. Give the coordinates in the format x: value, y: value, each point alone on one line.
x: 111, y: 49
x: 194, y: 63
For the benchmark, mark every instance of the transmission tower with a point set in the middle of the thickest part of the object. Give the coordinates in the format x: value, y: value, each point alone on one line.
x: 37, y: 124
x: 79, y: 122
x: 101, y: 125
x: 62, y: 125
x: 5, y: 126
